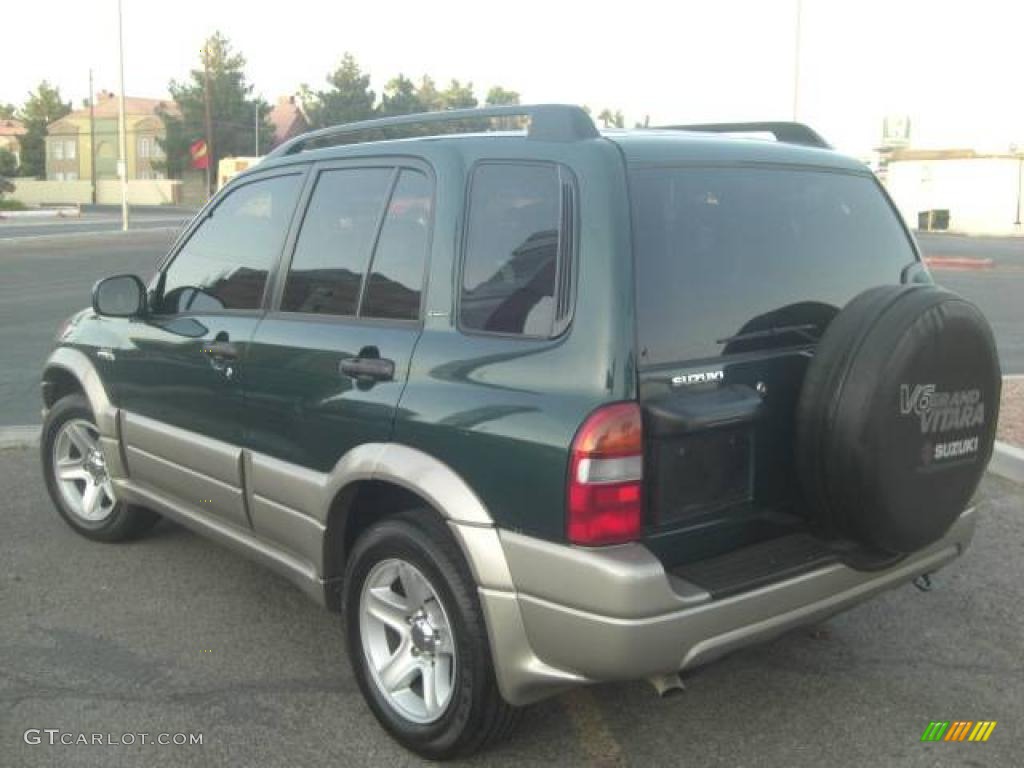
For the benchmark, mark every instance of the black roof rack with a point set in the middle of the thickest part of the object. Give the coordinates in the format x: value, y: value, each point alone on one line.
x: 548, y: 122
x: 788, y: 133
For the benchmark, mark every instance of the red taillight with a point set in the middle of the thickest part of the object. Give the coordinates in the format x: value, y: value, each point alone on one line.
x: 605, y: 495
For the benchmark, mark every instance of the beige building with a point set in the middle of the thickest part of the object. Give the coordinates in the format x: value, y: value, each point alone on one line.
x: 11, y: 132
x: 961, y: 190
x: 71, y: 145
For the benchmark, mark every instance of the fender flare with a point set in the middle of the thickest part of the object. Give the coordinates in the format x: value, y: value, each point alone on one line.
x: 442, y: 488
x: 76, y: 363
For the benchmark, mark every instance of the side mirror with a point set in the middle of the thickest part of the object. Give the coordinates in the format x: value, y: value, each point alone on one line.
x: 119, y: 296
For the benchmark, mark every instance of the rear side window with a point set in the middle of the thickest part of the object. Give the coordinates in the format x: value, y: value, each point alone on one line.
x: 224, y: 264
x: 517, y: 273
x: 396, y: 274
x: 334, y: 243
x: 727, y: 251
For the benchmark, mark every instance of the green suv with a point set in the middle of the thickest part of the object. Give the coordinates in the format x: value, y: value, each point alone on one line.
x: 536, y: 407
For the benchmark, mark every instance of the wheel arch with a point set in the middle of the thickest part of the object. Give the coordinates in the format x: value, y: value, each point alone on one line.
x: 389, y: 478
x: 68, y: 370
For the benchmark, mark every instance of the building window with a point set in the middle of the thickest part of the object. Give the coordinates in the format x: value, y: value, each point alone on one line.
x: 58, y: 150
x: 144, y: 147
x: 71, y: 176
x: 59, y: 175
x: 69, y: 149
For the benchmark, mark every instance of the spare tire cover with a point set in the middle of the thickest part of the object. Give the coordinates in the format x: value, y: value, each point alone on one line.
x: 897, y: 417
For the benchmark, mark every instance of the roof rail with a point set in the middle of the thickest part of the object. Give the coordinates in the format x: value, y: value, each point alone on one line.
x: 788, y: 133
x: 548, y: 122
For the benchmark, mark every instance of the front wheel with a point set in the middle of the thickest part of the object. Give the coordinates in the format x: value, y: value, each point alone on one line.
x: 77, y: 479
x: 417, y: 640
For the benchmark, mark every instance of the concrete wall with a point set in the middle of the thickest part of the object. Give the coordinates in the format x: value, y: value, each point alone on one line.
x: 980, y: 193
x: 108, y: 192
x: 34, y: 192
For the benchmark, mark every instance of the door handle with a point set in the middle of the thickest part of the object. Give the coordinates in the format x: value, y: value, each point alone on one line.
x: 368, y: 368
x: 221, y: 350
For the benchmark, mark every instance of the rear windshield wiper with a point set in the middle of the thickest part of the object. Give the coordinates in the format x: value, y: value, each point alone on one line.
x: 776, y: 330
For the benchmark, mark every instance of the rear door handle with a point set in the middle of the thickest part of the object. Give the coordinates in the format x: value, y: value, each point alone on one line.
x: 367, y: 368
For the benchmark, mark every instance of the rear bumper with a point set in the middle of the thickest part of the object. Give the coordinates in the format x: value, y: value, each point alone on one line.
x: 578, y: 616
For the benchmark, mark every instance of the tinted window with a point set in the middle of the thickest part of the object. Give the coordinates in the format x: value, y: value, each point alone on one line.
x: 396, y: 276
x: 224, y: 264
x: 511, y: 255
x: 721, y: 252
x: 334, y: 244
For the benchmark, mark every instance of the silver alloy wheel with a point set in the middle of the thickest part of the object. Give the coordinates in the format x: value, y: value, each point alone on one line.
x: 81, y: 472
x: 407, y: 641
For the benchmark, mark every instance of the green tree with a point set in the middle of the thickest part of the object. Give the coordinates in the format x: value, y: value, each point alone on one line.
x: 400, y: 97
x: 7, y: 111
x: 612, y: 119
x: 457, y: 96
x: 348, y: 99
x: 8, y: 163
x: 234, y: 110
x: 42, y: 107
x: 498, y: 96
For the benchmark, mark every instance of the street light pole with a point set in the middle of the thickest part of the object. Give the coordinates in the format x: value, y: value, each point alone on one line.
x: 1016, y: 152
x: 92, y: 138
x: 256, y: 109
x: 796, y: 60
x: 122, y: 166
x: 209, y: 126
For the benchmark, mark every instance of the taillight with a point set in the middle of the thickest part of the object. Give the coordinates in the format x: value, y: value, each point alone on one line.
x: 605, y: 489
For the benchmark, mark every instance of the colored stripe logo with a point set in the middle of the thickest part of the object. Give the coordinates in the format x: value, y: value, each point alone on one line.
x: 958, y: 730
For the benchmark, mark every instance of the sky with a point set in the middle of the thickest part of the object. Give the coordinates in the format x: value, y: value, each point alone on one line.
x: 954, y: 67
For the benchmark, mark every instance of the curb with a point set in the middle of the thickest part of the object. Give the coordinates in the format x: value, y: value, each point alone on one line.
x: 20, y: 437
x: 46, y: 213
x: 958, y: 262
x: 1007, y: 462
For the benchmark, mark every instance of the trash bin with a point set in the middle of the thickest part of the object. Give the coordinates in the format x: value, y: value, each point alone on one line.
x: 935, y: 219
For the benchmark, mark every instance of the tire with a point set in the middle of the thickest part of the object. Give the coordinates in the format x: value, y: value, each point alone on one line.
x: 395, y: 552
x: 897, y: 417
x: 70, y: 430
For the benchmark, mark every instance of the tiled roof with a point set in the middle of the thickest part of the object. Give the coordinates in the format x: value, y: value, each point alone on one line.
x: 287, y: 119
x: 11, y: 127
x: 107, y: 105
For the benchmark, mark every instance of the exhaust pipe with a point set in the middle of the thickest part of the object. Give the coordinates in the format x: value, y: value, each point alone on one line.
x: 667, y: 685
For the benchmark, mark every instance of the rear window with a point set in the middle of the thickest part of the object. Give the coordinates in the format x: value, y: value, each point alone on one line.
x: 728, y: 251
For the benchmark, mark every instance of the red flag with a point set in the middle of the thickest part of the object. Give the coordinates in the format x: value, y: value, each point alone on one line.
x: 200, y: 157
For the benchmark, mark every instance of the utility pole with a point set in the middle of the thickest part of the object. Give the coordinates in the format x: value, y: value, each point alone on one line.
x: 796, y: 61
x: 92, y: 137
x: 122, y: 165
x: 209, y: 128
x: 256, y: 109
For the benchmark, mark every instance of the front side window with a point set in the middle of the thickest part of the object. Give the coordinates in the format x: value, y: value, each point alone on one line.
x: 69, y: 150
x: 512, y: 249
x: 225, y: 263
x: 334, y: 244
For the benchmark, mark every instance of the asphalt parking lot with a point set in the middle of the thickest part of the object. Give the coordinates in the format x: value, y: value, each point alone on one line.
x: 172, y: 634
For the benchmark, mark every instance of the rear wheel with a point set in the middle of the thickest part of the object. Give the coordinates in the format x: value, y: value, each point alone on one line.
x: 417, y: 641
x: 77, y: 478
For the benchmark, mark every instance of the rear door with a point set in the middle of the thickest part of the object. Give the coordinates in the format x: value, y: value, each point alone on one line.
x: 739, y: 270
x: 330, y: 360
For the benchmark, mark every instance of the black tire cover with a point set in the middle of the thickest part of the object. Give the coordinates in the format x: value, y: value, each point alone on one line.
x: 897, y: 417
